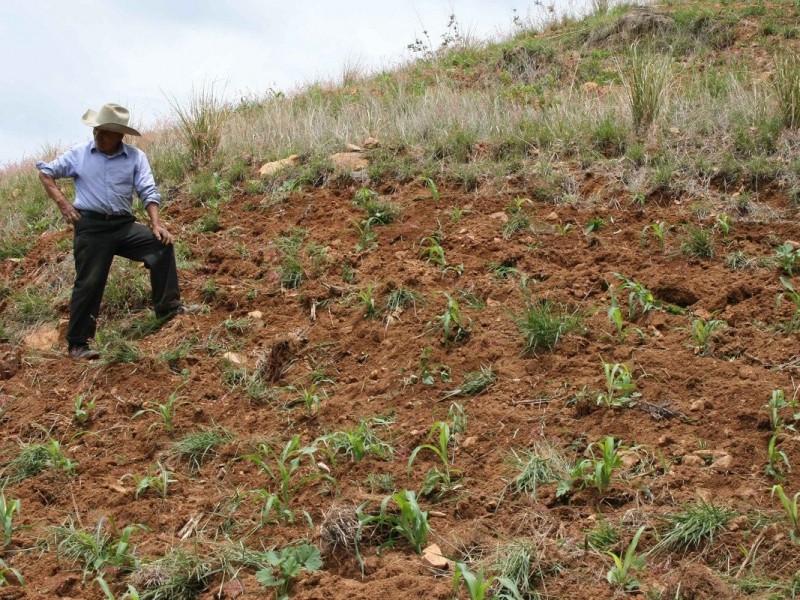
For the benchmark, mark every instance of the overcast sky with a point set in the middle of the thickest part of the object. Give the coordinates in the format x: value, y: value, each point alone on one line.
x: 60, y: 57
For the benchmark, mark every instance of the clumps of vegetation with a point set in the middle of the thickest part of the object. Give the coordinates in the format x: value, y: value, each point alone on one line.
x: 33, y: 459
x: 696, y: 525
x: 199, y: 446
x: 544, y: 323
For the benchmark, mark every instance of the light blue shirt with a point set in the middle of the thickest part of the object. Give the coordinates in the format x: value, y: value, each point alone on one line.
x: 105, y: 184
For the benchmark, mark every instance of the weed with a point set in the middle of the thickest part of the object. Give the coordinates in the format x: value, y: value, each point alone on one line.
x: 289, y: 562
x: 603, y: 536
x: 8, y: 508
x: 401, y: 297
x: 645, y: 78
x: 116, y: 349
x: 786, y: 83
x: 502, y: 270
x: 478, y: 586
x: 380, y: 482
x: 695, y: 525
x: 794, y: 296
x: 474, y: 382
x: 198, y: 446
x: 621, y: 572
x: 703, y: 332
x: 543, y: 465
x: 429, y: 371
x: 210, y: 290
x: 95, y: 550
x: 543, y: 324
x: 432, y: 188
x: 157, y: 479
x: 201, y: 122
x: 738, y: 260
x: 35, y: 458
x: 698, y: 242
x: 517, y: 562
x: 179, y: 575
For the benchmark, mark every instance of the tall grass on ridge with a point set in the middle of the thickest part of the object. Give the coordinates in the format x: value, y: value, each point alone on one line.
x: 645, y: 78
x: 786, y: 83
x: 201, y: 122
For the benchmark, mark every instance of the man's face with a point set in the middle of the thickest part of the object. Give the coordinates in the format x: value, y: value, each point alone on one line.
x: 107, y: 141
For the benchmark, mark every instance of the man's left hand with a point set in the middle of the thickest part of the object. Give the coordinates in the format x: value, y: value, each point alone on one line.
x: 162, y: 235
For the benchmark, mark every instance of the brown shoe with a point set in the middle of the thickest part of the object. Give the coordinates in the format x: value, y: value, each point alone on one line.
x: 83, y: 353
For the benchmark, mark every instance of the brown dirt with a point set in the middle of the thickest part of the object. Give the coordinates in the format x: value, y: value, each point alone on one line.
x: 716, y: 402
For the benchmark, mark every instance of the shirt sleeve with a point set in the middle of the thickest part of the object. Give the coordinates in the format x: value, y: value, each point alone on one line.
x: 63, y: 166
x: 143, y: 181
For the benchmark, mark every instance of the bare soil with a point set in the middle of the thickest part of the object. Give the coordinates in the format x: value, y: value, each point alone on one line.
x: 692, y: 405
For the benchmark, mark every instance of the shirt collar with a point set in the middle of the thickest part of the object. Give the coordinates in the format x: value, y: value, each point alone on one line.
x: 122, y: 151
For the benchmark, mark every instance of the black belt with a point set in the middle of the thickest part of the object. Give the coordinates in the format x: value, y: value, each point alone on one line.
x: 90, y: 214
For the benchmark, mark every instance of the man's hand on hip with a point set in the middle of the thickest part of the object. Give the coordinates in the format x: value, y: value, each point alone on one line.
x: 70, y: 213
x: 162, y: 235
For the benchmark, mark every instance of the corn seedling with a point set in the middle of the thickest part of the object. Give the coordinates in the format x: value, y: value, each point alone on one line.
x: 657, y: 231
x: 776, y: 459
x: 787, y: 257
x: 620, y: 386
x: 95, y: 550
x: 8, y: 508
x: 696, y: 525
x: 366, y: 299
x: 791, y: 509
x: 431, y: 185
x: 285, y: 470
x: 640, y: 300
x: 363, y: 196
x: 198, y: 446
x: 436, y: 480
x: 474, y: 383
x: 603, y: 536
x: 157, y: 480
x: 35, y: 458
x: 602, y: 468
x: 285, y: 565
x: 6, y: 571
x: 622, y: 573
x: 794, y: 296
x: 616, y: 318
x: 454, y: 326
x: 776, y: 403
x: 543, y: 324
x: 593, y: 225
x: 165, y: 411
x: 310, y: 398
x: 479, y: 587
x: 518, y: 219
x: 432, y: 252
x: 703, y: 332
x: 723, y: 224
x: 409, y: 521
x: 361, y: 441
x: 82, y: 409
x: 130, y: 594
x: 366, y: 237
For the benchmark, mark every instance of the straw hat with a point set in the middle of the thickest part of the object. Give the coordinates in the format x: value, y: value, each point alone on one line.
x: 110, y: 117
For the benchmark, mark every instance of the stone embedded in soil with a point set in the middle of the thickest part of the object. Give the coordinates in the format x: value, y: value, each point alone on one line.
x: 432, y: 557
x: 553, y: 216
x: 273, y: 167
x: 349, y: 161
x: 371, y: 143
x: 233, y: 358
x: 42, y: 338
x: 10, y: 363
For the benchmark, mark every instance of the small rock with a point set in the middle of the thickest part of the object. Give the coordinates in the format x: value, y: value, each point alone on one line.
x: 371, y: 143
x: 629, y: 460
x: 273, y: 167
x: 432, y: 557
x: 738, y: 523
x: 553, y: 216
x: 232, y: 589
x: 42, y: 338
x: 499, y: 216
x: 666, y: 440
x: 793, y: 243
x: 491, y: 506
x: 233, y: 358
x: 701, y: 404
x: 692, y: 460
x: 723, y: 462
x: 704, y: 494
x: 349, y: 161
x: 469, y: 441
x: 256, y: 314
x: 352, y: 148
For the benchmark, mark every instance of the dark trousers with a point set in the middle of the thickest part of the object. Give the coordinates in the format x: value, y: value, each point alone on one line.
x: 96, y: 242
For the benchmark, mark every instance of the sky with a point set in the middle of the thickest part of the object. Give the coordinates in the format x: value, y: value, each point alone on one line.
x: 62, y: 57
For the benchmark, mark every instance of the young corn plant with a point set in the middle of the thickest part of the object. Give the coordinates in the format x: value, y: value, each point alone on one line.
x: 479, y: 587
x: 166, y: 411
x: 285, y: 565
x: 518, y: 220
x: 787, y: 257
x: 156, y: 480
x: 640, y: 300
x: 454, y: 326
x: 286, y: 470
x: 361, y: 441
x: 432, y: 251
x: 657, y: 231
x: 602, y: 467
x: 703, y: 333
x: 82, y: 409
x: 622, y: 573
x: 620, y: 386
x: 366, y: 299
x: 776, y: 459
x: 778, y: 402
x: 794, y: 296
x: 408, y: 521
x: 8, y: 573
x: 8, y: 508
x: 443, y: 481
x: 366, y: 237
x: 791, y: 509
x: 432, y: 188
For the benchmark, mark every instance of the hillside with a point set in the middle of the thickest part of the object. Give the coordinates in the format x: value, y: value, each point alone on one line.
x: 557, y: 313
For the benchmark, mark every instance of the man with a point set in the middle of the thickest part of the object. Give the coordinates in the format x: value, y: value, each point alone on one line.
x: 106, y: 172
